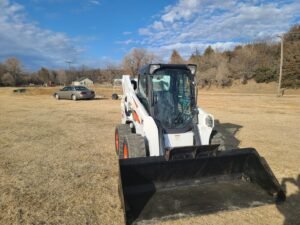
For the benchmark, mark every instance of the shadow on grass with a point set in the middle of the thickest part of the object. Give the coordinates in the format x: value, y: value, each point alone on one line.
x: 83, y: 100
x: 99, y: 98
x: 226, y: 132
x: 290, y: 209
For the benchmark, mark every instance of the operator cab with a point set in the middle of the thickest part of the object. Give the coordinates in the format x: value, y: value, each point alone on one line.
x: 167, y: 91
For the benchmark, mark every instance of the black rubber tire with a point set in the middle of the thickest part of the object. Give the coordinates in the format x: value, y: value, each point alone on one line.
x: 120, y: 132
x: 136, y: 146
x: 114, y: 97
x: 217, y: 138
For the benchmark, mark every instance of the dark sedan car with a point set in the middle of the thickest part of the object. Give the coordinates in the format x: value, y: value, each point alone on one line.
x: 74, y: 93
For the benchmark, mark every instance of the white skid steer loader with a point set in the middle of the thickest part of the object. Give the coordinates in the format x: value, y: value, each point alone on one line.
x: 168, y: 166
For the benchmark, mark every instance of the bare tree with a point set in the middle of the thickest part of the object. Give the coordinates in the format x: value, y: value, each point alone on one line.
x: 222, y: 74
x: 244, y: 63
x: 14, y: 67
x: 44, y: 75
x: 61, y: 77
x: 208, y: 51
x: 83, y: 71
x: 291, y: 58
x: 138, y: 57
x: 176, y: 58
x: 8, y: 80
x: 34, y: 79
x: 2, y: 71
x: 113, y: 71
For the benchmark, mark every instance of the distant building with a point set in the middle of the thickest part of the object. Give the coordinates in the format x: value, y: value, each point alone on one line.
x: 83, y: 81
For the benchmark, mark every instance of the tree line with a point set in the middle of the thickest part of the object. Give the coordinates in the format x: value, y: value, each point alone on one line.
x: 259, y: 61
x: 12, y: 74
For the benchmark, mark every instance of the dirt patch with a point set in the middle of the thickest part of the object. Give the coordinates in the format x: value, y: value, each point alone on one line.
x: 58, y: 164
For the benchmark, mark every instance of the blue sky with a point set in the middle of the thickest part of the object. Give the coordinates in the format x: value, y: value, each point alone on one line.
x: 100, y: 32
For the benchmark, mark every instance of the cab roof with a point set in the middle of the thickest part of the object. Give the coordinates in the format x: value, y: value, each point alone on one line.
x: 146, y: 69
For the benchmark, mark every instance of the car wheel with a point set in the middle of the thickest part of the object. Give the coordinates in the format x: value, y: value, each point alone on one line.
x: 115, y: 97
x: 74, y: 98
x: 57, y: 96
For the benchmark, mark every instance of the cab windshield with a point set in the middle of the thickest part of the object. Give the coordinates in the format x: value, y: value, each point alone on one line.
x: 172, y: 98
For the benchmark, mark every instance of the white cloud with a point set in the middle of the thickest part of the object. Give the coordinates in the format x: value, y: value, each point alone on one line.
x: 126, y: 42
x: 127, y: 33
x: 95, y: 2
x: 145, y: 31
x: 183, y: 10
x: 99, y: 62
x: 197, y: 23
x: 158, y: 25
x: 26, y: 40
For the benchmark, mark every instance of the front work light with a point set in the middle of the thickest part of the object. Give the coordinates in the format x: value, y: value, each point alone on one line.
x: 153, y: 67
x: 209, y: 121
x: 192, y: 68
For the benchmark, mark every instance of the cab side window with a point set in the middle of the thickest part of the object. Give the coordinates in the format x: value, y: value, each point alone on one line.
x: 143, y: 86
x: 143, y: 90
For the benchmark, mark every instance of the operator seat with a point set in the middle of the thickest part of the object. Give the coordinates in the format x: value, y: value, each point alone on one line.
x: 164, y: 107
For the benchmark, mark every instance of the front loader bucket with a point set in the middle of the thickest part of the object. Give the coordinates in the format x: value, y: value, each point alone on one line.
x: 156, y: 189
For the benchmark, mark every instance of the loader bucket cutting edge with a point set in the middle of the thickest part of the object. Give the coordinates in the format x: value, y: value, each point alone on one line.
x: 155, y: 189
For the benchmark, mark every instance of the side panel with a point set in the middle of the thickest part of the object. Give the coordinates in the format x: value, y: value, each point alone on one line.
x: 134, y: 112
x: 205, y: 126
x: 151, y: 134
x: 129, y: 100
x: 124, y: 105
x: 179, y: 140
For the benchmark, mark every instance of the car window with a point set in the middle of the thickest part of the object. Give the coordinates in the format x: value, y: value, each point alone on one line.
x: 81, y: 88
x: 65, y: 89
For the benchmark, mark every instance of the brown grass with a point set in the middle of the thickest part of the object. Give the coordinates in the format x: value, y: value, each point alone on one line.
x: 251, y: 88
x: 58, y: 165
x: 33, y: 91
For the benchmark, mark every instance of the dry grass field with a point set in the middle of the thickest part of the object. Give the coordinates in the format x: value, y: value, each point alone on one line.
x: 58, y: 164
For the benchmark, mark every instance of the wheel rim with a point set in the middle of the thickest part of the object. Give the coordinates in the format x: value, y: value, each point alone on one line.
x: 117, y: 141
x: 74, y: 97
x: 125, y: 151
x: 57, y: 97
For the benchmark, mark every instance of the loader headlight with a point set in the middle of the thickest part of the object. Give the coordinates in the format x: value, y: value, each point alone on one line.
x: 192, y: 68
x: 153, y: 67
x: 209, y: 121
